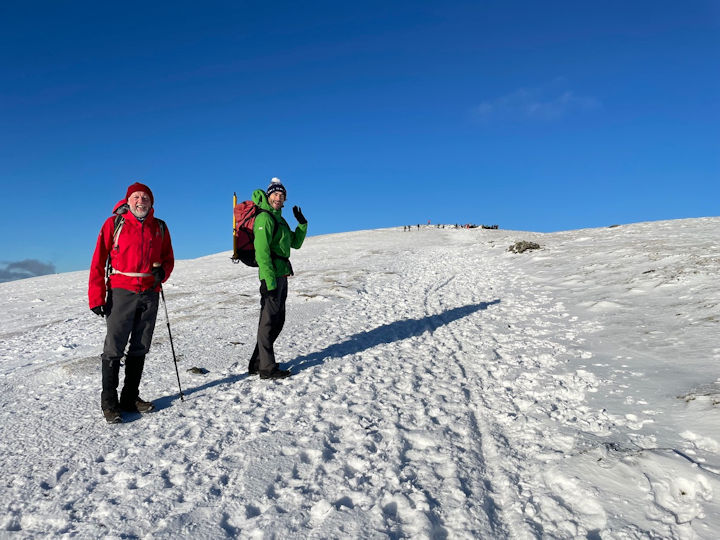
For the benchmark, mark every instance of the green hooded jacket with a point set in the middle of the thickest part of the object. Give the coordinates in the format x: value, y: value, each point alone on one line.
x: 268, y: 242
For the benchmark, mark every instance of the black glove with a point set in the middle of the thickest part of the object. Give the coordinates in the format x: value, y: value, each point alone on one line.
x: 297, y: 212
x: 98, y: 310
x: 159, y: 273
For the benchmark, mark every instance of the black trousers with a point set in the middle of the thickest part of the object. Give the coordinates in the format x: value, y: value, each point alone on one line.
x: 272, y: 320
x: 131, y: 318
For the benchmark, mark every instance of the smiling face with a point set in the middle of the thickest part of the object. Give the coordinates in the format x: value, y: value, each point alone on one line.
x: 139, y: 203
x: 276, y: 199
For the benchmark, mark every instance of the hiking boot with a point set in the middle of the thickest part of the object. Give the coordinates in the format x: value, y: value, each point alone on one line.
x: 252, y: 369
x: 144, y: 406
x: 112, y: 415
x: 276, y: 373
x: 139, y: 406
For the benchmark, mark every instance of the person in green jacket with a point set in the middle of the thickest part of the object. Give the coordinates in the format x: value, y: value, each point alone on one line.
x: 273, y: 240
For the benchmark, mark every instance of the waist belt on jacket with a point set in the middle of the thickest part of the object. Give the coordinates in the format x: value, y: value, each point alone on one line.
x: 129, y: 274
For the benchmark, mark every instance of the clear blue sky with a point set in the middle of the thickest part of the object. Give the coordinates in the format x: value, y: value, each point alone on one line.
x: 537, y: 116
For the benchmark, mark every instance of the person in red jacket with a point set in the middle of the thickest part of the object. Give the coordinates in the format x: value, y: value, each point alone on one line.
x: 132, y: 258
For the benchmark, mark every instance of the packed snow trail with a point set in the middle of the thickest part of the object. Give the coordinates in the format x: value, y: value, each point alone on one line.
x: 441, y: 390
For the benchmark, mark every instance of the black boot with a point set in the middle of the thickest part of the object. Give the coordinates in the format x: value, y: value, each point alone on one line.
x: 112, y: 416
x: 276, y: 373
x: 143, y: 406
x: 108, y: 397
x: 253, y: 363
x: 130, y: 392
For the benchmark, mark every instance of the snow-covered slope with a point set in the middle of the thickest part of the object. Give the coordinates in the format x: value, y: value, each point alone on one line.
x: 443, y: 387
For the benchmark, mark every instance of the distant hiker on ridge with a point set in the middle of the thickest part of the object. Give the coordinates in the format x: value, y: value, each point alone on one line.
x: 135, y: 254
x: 273, y: 240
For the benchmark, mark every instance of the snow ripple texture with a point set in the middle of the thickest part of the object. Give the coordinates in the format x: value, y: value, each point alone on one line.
x: 443, y: 388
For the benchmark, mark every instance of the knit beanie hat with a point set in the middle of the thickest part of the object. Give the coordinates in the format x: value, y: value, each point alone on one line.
x: 275, y: 185
x: 137, y: 186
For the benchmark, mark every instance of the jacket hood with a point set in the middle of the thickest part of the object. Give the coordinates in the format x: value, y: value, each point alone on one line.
x: 118, y: 208
x: 260, y: 198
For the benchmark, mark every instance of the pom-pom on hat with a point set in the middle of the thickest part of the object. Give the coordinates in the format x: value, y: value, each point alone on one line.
x: 276, y: 185
x: 137, y: 186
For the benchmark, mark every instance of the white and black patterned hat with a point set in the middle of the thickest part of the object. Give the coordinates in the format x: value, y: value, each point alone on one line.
x: 275, y: 185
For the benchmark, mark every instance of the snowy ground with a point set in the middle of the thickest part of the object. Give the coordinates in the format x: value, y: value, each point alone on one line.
x: 443, y: 388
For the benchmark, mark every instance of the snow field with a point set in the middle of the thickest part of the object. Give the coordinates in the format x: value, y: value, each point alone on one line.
x: 443, y: 388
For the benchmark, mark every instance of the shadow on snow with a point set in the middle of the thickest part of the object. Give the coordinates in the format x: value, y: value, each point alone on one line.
x: 387, y: 333
x: 362, y: 341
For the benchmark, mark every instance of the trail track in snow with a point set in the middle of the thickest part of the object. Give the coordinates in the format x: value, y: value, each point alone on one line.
x: 437, y: 394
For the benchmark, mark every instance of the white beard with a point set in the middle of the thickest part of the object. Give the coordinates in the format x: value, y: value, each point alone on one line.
x: 140, y: 214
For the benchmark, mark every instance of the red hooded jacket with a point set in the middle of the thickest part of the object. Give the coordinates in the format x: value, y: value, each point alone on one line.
x: 139, y: 245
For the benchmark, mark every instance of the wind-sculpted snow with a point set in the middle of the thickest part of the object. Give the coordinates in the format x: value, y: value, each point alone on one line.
x: 444, y: 388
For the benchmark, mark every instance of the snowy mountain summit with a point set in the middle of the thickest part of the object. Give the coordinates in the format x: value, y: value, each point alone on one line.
x: 443, y: 387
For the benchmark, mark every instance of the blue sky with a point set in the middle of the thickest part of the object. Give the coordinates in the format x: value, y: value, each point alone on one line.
x: 530, y: 115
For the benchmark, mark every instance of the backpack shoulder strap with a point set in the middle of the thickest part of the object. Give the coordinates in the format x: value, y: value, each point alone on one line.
x: 117, y: 227
x: 269, y: 213
x: 162, y: 226
x: 119, y: 222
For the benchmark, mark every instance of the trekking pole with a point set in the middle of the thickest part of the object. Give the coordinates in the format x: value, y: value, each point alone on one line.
x: 172, y: 347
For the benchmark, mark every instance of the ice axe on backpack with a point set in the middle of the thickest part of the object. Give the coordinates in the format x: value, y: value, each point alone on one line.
x: 172, y: 347
x: 235, y: 257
